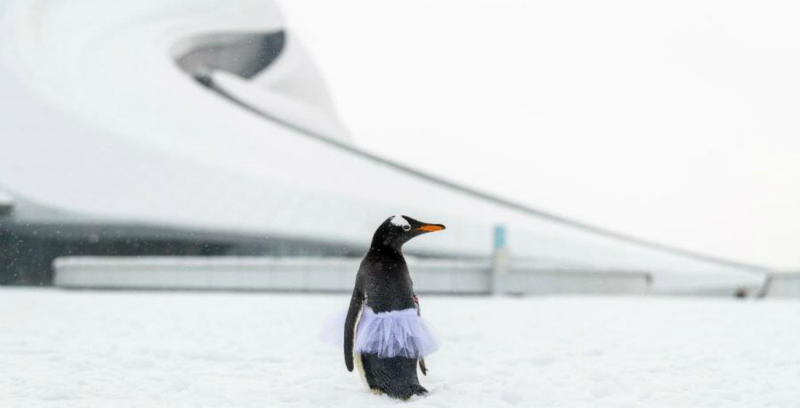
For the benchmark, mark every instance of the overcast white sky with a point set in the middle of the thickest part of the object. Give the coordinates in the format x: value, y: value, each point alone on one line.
x: 674, y: 121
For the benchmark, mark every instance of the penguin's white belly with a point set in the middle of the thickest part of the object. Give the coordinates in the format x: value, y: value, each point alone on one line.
x: 357, y: 355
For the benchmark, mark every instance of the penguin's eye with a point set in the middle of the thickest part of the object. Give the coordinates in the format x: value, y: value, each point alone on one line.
x: 406, y: 227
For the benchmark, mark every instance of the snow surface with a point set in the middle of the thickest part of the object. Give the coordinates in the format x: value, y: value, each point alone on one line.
x: 118, y: 349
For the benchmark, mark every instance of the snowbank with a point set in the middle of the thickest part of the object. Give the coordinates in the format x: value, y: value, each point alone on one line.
x: 88, y: 349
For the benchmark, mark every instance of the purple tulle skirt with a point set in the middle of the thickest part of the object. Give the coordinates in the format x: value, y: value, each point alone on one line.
x: 387, y: 334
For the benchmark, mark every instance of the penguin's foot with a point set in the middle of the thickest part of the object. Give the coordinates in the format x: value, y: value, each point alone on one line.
x: 407, y: 391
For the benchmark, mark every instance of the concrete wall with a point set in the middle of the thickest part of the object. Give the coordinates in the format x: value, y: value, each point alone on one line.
x: 326, y: 275
x: 784, y: 285
x: 570, y: 281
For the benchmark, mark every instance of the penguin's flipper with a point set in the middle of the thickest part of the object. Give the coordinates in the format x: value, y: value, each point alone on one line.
x: 350, y: 327
x: 421, y: 360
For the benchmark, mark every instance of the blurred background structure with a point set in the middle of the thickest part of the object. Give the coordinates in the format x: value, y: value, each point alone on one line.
x: 194, y: 145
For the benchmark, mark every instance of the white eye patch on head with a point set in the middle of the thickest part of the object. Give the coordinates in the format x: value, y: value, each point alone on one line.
x: 400, y: 221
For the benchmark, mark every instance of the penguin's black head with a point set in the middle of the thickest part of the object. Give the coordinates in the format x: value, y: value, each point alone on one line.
x: 398, y: 229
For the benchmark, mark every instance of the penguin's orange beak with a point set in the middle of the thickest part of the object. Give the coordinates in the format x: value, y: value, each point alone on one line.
x: 431, y: 227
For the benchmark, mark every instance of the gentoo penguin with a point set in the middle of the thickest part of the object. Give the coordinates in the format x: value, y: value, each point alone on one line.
x: 384, y: 335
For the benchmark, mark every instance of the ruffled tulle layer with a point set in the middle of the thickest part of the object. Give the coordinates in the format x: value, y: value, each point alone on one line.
x: 387, y: 334
x: 395, y: 333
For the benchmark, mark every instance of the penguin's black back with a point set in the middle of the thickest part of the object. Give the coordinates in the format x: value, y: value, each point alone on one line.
x: 387, y: 281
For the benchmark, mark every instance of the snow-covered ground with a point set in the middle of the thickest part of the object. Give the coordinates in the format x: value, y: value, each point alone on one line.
x: 130, y: 349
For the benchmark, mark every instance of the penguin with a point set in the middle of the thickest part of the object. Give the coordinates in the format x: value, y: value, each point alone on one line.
x: 382, y: 306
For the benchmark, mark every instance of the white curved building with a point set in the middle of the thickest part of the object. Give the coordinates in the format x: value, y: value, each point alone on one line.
x: 203, y: 127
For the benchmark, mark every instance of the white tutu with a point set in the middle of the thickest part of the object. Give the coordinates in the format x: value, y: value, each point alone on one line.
x: 387, y: 334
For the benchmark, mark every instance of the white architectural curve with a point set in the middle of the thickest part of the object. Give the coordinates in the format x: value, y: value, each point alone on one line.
x: 100, y: 125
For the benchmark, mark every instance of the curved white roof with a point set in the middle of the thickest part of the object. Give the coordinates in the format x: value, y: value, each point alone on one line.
x: 99, y: 121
